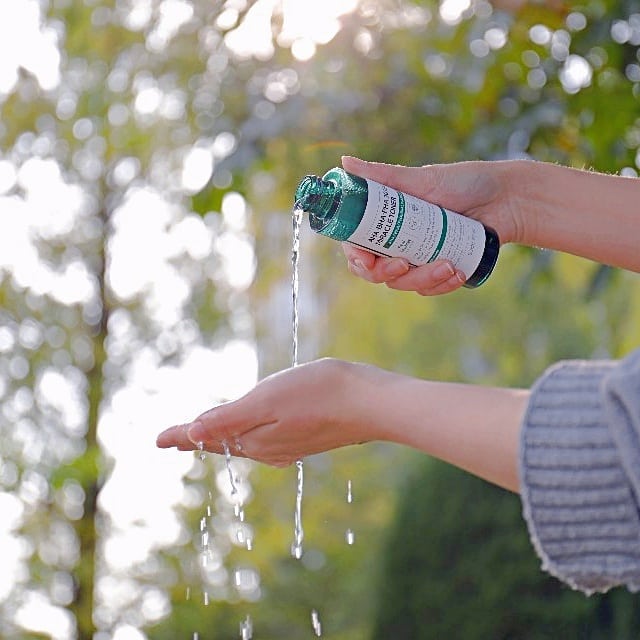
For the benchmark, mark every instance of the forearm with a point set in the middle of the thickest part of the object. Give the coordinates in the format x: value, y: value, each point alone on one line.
x: 579, y: 212
x: 473, y: 427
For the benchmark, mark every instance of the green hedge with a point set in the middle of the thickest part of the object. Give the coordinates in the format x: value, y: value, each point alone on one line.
x: 459, y: 564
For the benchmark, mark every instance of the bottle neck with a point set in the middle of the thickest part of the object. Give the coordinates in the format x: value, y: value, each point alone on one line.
x: 320, y: 198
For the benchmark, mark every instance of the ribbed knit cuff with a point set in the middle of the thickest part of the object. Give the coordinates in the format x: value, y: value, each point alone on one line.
x: 577, y: 501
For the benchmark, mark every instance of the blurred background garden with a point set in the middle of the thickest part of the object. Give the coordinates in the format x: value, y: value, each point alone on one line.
x: 149, y: 151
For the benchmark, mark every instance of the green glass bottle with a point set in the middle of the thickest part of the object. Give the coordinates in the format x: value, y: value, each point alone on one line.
x: 390, y: 223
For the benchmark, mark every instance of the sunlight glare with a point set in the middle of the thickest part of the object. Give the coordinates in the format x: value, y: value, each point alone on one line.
x: 127, y: 632
x: 305, y: 24
x: 197, y: 168
x: 8, y: 176
x: 12, y: 549
x: 451, y: 10
x: 26, y: 44
x: 38, y: 615
x: 173, y: 15
x: 158, y: 396
x: 50, y: 208
x: 576, y: 74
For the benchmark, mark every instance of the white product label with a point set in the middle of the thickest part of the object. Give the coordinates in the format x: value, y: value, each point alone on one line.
x: 402, y: 226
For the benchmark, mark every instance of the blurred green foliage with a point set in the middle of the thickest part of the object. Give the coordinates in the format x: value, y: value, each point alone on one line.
x: 458, y: 563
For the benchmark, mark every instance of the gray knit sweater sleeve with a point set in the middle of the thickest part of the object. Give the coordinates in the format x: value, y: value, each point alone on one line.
x: 580, y: 472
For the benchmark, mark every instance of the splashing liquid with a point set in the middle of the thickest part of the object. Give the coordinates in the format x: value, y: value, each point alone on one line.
x: 238, y: 507
x: 204, y: 531
x: 298, y: 533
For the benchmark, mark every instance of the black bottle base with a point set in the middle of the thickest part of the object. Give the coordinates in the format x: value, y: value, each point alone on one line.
x: 488, y: 261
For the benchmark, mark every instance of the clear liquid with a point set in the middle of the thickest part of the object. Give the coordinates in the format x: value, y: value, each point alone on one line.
x: 238, y: 508
x: 298, y: 534
x: 227, y: 460
x: 295, y: 258
x: 204, y: 531
x: 349, y: 535
x: 315, y: 623
x: 246, y: 629
x: 296, y: 547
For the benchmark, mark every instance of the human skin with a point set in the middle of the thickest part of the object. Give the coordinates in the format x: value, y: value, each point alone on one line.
x: 328, y: 403
x: 526, y: 202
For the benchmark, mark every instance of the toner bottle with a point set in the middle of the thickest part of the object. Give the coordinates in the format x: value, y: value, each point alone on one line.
x: 390, y: 223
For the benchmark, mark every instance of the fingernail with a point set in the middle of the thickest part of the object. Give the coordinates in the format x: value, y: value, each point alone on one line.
x: 443, y: 271
x: 197, y: 433
x: 461, y: 276
x: 396, y: 268
x: 165, y: 440
x: 357, y: 265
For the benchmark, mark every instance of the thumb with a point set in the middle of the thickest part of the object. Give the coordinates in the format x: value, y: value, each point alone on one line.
x: 415, y: 181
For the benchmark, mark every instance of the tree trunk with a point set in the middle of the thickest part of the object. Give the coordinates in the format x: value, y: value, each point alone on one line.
x: 87, y: 527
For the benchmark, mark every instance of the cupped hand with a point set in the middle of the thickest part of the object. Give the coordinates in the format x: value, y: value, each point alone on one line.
x: 307, y: 409
x: 480, y: 190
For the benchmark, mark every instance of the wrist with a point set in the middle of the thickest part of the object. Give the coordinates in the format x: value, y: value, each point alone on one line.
x: 584, y: 213
x: 368, y: 401
x: 529, y: 201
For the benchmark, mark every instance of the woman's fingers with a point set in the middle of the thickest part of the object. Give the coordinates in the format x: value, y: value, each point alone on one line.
x: 382, y: 269
x: 278, y: 421
x: 430, y: 279
x: 223, y: 425
x: 176, y: 436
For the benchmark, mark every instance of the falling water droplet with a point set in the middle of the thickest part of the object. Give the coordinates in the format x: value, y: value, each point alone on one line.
x: 350, y: 536
x: 315, y: 623
x: 238, y: 508
x: 246, y: 629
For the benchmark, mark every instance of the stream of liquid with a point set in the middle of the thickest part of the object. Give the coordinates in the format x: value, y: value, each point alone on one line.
x: 298, y: 532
